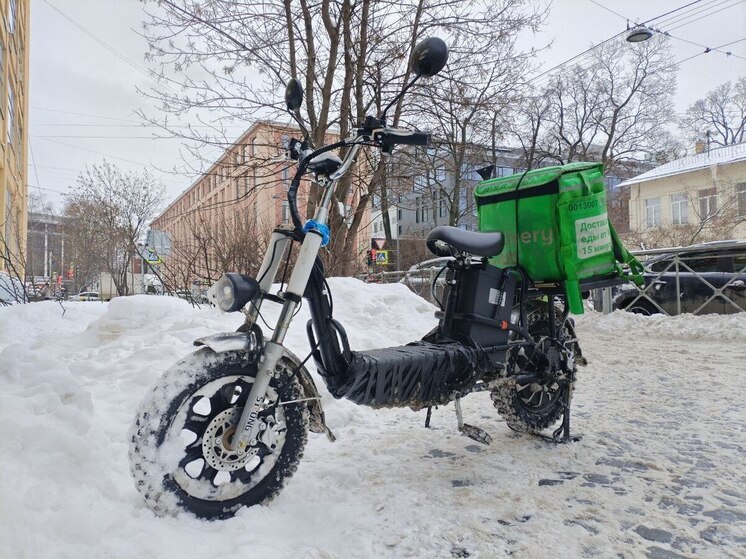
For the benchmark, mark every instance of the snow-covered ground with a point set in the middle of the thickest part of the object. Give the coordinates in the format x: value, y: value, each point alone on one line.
x: 660, y: 470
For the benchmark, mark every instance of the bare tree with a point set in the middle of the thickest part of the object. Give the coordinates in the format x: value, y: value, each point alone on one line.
x: 719, y: 118
x: 13, y: 287
x: 107, y: 216
x: 613, y: 109
x: 227, y: 62
x: 218, y: 240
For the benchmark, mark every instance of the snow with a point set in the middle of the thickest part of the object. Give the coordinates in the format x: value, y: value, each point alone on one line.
x: 659, y: 471
x: 719, y: 156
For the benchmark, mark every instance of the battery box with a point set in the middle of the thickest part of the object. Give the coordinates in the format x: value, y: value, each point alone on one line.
x: 479, y: 301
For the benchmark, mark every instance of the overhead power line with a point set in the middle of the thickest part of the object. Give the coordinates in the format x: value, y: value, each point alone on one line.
x: 147, y: 73
x: 671, y: 12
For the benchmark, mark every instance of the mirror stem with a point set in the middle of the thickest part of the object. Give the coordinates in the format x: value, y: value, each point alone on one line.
x: 403, y: 91
x: 306, y: 135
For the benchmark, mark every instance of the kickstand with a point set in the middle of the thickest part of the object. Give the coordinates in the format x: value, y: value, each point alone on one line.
x: 474, y: 433
x: 562, y: 434
x: 428, y: 416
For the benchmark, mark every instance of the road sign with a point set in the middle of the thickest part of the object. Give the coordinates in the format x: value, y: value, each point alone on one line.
x: 382, y: 257
x: 380, y: 243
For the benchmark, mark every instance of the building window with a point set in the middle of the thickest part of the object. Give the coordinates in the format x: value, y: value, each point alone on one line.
x: 11, y: 16
x: 376, y: 201
x: 286, y: 178
x: 425, y: 213
x: 679, y: 209
x: 285, y: 212
x: 741, y: 193
x: 252, y: 146
x: 708, y: 204
x: 399, y: 214
x: 504, y: 171
x: 469, y: 172
x: 417, y: 210
x: 439, y: 176
x: 420, y: 183
x: 9, y: 124
x: 442, y: 207
x: 463, y: 200
x: 399, y: 230
x: 652, y: 213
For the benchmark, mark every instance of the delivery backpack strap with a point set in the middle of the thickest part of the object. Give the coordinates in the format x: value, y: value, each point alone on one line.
x: 623, y: 255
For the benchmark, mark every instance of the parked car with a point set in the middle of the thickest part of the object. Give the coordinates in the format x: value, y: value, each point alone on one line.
x: 11, y: 290
x: 702, y: 270
x: 86, y: 296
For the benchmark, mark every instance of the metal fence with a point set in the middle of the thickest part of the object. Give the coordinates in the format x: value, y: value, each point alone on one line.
x: 697, y: 279
x: 702, y: 279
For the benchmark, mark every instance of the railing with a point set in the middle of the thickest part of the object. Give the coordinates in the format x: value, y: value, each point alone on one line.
x: 676, y: 287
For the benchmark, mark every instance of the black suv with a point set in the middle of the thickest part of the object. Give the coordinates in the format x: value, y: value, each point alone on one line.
x: 722, y: 265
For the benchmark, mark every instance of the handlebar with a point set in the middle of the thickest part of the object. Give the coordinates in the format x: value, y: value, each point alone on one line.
x: 384, y: 138
x: 389, y: 137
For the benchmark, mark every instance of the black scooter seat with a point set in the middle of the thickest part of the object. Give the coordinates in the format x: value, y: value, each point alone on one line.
x: 472, y: 242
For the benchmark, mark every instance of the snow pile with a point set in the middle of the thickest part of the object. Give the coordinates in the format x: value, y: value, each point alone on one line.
x: 658, y: 473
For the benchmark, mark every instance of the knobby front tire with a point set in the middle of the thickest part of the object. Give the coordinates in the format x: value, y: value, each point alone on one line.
x: 178, y: 457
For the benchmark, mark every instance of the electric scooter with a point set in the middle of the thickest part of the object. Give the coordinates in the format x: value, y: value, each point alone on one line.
x: 226, y: 427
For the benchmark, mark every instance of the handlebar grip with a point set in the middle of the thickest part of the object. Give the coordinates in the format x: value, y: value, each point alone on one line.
x: 413, y: 139
x: 392, y: 137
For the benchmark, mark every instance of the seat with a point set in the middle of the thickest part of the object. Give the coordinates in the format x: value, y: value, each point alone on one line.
x: 472, y: 242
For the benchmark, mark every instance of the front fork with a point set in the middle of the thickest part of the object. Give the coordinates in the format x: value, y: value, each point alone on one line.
x: 247, y: 426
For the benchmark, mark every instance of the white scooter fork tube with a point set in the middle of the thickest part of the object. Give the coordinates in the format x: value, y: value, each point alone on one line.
x: 273, y: 349
x: 304, y: 265
x: 272, y: 259
x: 268, y: 272
x: 247, y: 424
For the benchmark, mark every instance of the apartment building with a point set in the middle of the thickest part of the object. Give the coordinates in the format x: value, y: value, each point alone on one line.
x: 243, y: 195
x: 429, y: 196
x: 700, y: 197
x: 14, y: 87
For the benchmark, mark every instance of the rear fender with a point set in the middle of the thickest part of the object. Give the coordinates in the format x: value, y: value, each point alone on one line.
x: 246, y: 341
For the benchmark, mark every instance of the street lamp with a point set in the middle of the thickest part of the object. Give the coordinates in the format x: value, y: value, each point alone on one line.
x: 638, y: 34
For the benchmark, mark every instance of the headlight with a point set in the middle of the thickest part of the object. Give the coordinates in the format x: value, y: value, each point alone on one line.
x: 231, y: 292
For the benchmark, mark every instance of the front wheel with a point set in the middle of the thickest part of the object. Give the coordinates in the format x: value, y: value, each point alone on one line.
x: 178, y: 453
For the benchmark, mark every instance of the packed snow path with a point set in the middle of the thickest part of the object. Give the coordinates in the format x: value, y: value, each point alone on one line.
x: 660, y: 471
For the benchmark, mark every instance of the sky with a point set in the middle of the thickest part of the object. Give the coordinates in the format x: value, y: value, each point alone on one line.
x: 87, y: 61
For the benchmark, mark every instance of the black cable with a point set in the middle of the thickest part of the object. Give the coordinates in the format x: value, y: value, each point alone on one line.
x: 259, y: 313
x: 432, y: 288
x: 287, y: 263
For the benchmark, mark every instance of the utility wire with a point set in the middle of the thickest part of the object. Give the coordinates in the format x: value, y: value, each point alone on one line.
x: 148, y: 73
x: 83, y: 114
x: 33, y: 161
x: 694, y: 14
x: 671, y: 12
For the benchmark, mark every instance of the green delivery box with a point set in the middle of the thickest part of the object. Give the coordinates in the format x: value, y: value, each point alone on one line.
x: 556, y: 226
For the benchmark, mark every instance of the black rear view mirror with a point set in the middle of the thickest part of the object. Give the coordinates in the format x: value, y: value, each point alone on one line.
x: 293, y: 95
x: 429, y: 57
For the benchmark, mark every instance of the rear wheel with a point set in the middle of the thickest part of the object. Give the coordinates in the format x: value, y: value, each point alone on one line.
x: 532, y: 407
x: 180, y: 451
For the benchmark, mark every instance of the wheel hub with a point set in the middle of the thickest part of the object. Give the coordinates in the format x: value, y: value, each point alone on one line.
x: 216, y: 438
